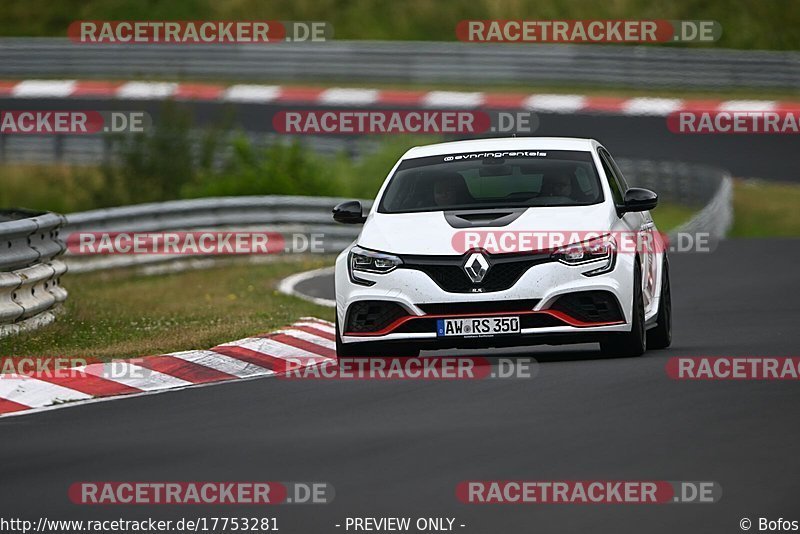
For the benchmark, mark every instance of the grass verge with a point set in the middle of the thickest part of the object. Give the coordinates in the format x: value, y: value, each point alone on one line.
x: 669, y: 216
x: 122, y: 314
x: 765, y: 209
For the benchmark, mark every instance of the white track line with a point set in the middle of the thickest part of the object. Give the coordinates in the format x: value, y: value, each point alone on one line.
x: 288, y: 285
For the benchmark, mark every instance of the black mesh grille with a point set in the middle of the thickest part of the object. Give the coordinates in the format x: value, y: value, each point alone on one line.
x: 372, y: 315
x: 590, y: 306
x: 448, y: 272
x: 494, y: 306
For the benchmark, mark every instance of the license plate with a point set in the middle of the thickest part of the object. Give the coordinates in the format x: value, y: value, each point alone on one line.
x: 477, y: 326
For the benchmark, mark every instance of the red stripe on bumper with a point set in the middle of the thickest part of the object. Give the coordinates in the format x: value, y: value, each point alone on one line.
x: 561, y: 316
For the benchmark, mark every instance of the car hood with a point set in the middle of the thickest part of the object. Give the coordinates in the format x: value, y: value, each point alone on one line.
x: 431, y: 233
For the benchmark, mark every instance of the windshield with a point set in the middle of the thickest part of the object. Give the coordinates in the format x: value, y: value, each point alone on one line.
x: 486, y: 180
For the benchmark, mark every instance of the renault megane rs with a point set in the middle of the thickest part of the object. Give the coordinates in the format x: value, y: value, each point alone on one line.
x: 503, y: 242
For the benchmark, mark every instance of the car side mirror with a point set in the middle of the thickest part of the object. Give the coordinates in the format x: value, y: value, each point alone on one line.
x: 349, y: 213
x: 638, y: 199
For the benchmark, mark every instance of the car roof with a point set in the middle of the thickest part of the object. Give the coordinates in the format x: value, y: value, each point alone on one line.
x: 502, y: 143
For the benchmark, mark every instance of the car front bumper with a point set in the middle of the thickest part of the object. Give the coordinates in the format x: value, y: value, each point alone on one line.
x: 414, y: 291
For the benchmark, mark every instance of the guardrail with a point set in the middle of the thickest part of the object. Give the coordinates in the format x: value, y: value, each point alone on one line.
x: 30, y: 273
x: 409, y: 62
x: 288, y: 214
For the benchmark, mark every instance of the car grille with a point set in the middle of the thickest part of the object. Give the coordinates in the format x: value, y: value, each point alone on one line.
x: 448, y: 272
x: 492, y: 306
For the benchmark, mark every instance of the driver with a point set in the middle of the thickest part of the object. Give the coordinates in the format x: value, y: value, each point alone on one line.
x: 451, y: 190
x: 558, y: 185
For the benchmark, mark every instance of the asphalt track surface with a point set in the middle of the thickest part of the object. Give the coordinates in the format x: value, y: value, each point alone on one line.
x: 771, y: 157
x: 399, y: 448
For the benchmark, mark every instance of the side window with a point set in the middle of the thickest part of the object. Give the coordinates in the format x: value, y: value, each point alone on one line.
x: 620, y: 177
x: 616, y: 190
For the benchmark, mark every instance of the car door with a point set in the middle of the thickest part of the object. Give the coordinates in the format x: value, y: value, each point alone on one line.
x: 640, y: 223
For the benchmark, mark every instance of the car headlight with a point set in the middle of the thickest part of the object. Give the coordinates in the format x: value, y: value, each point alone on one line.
x: 601, y: 252
x: 370, y: 261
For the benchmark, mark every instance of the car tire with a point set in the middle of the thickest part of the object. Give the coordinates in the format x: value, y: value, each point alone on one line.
x: 660, y: 336
x: 374, y: 348
x: 633, y: 343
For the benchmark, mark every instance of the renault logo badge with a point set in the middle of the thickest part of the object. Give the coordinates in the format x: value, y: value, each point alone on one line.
x: 476, y: 267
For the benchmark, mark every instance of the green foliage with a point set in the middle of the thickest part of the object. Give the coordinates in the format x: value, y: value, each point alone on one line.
x: 767, y: 24
x: 155, y: 165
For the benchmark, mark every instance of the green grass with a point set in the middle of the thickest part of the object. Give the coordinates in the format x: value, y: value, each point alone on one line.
x: 119, y: 314
x: 765, y: 209
x: 668, y: 216
x: 767, y: 24
x: 59, y: 188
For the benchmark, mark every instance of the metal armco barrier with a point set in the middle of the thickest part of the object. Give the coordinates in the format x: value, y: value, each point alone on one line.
x: 288, y: 214
x: 30, y: 273
x: 408, y: 62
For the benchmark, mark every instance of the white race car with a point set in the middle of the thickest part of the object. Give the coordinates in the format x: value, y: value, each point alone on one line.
x: 503, y: 242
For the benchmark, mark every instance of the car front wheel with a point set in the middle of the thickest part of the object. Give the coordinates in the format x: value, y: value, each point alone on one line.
x: 660, y: 337
x: 631, y: 343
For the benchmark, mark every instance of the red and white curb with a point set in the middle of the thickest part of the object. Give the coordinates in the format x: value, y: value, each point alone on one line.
x: 337, y: 96
x: 310, y: 341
